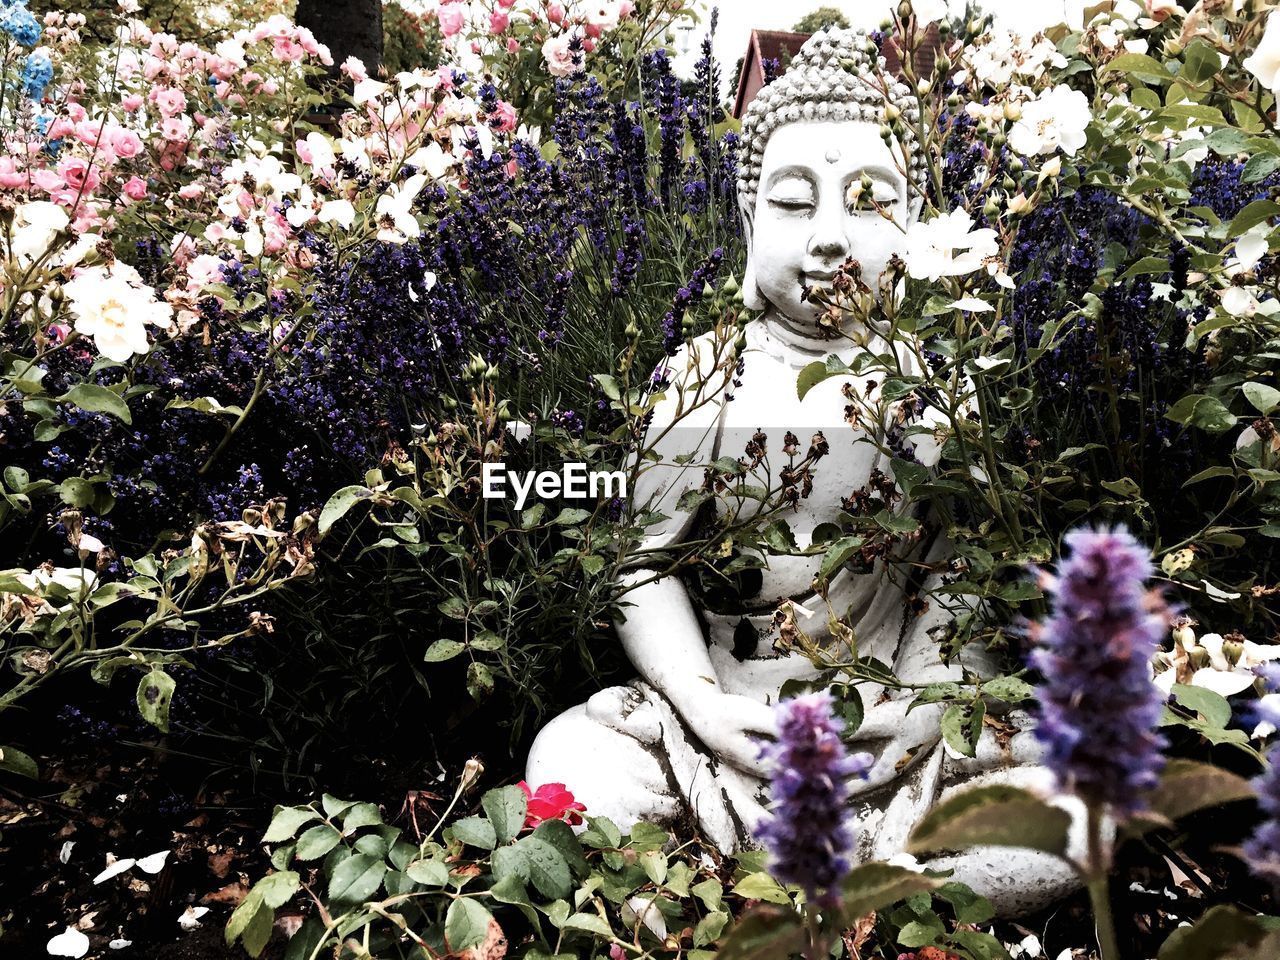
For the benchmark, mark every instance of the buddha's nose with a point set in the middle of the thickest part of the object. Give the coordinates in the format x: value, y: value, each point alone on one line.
x: 829, y: 241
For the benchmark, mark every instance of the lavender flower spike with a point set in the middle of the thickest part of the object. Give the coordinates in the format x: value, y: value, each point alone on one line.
x: 810, y: 830
x: 1098, y: 707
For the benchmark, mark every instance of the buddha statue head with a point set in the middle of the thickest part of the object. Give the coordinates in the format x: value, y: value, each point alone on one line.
x: 812, y: 160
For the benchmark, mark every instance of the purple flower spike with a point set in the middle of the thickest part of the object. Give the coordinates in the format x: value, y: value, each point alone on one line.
x: 1098, y: 707
x: 1262, y: 850
x: 810, y: 830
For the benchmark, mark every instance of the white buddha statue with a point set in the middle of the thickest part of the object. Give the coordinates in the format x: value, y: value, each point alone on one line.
x: 681, y: 743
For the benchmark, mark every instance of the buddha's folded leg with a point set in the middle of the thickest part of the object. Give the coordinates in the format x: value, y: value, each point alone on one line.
x: 627, y: 755
x: 1017, y: 881
x: 607, y: 752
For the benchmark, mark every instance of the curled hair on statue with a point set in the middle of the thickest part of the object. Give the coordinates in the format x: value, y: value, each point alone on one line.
x: 838, y: 76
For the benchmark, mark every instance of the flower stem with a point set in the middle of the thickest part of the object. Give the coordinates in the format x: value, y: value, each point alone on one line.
x: 814, y: 947
x: 1098, y: 886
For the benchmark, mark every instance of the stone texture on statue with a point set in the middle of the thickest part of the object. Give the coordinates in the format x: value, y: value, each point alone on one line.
x: 679, y: 745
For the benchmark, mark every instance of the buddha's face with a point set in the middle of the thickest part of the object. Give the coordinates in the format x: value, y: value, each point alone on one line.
x: 805, y: 224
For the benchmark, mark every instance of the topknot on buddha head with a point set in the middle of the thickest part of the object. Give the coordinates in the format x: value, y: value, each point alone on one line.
x: 838, y: 75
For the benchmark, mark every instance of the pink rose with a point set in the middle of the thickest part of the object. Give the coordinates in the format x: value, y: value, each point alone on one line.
x: 513, y: 45
x: 287, y: 50
x: 78, y: 174
x: 170, y: 101
x: 551, y: 801
x: 136, y: 188
x: 192, y: 191
x: 10, y: 177
x: 506, y: 4
x: 499, y: 20
x: 562, y: 60
x: 555, y: 13
x: 353, y: 68
x: 132, y: 102
x: 588, y: 45
x: 125, y: 143
x: 505, y: 115
x: 601, y: 16
x: 452, y: 18
x: 625, y: 9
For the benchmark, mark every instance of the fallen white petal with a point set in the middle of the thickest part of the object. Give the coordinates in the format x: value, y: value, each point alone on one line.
x: 65, y: 853
x: 120, y: 944
x: 115, y: 869
x: 153, y: 863
x: 190, y: 918
x: 70, y: 943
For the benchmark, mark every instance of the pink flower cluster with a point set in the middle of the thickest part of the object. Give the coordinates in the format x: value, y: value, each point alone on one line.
x: 566, y: 31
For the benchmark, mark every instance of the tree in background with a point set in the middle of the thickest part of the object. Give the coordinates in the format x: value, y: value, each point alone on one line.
x: 409, y: 40
x: 820, y: 18
x: 349, y: 28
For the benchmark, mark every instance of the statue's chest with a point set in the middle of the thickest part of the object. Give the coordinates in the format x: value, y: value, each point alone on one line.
x: 767, y: 401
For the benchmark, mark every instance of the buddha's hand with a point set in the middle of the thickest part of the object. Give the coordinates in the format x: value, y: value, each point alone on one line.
x: 732, y: 727
x: 895, y: 738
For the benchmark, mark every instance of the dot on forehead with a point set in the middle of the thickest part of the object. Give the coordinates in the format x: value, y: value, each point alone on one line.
x: 833, y: 155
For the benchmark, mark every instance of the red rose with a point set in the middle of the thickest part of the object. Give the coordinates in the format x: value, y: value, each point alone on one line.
x: 551, y: 801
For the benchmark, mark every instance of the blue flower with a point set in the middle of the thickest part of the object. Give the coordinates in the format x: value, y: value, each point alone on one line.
x: 36, y: 74
x: 810, y: 830
x: 1098, y: 706
x: 21, y: 24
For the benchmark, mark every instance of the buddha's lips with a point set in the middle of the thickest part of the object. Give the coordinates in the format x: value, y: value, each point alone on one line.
x: 814, y: 276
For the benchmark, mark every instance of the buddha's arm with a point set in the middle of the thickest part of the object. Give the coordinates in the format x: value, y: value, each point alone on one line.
x: 663, y: 639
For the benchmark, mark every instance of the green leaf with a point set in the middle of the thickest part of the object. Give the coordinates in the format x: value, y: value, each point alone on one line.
x: 475, y: 832
x: 838, y: 554
x: 1265, y: 399
x: 709, y: 928
x: 874, y: 886
x: 760, y: 886
x: 97, y: 399
x: 962, y: 726
x: 814, y: 374
x: 1009, y: 689
x: 338, y: 505
x: 589, y: 922
x: 1219, y: 934
x: 286, y: 821
x: 357, y: 878
x: 316, y: 842
x: 251, y: 923
x: 443, y: 650
x: 13, y: 760
x: 601, y: 833
x: 710, y: 892
x: 466, y: 924
x: 1139, y: 65
x: 429, y: 873
x: 1187, y: 786
x: 548, y: 869
x: 155, y: 691
x: 1253, y: 214
x: 998, y: 815
x: 561, y: 836
x: 361, y: 815
x: 571, y: 516
x: 277, y: 889
x: 506, y: 808
x: 764, y: 934
x: 1213, y: 707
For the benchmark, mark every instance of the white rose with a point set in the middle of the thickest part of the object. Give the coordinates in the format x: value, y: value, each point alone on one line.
x: 1264, y: 62
x: 927, y: 11
x: 113, y: 306
x: 35, y: 226
x: 562, y: 60
x: 1057, y: 118
x: 946, y: 247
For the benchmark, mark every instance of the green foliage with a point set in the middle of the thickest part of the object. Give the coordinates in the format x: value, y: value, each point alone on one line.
x: 820, y: 18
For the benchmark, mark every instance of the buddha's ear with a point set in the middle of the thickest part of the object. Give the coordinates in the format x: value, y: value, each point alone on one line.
x: 752, y: 298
